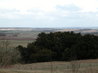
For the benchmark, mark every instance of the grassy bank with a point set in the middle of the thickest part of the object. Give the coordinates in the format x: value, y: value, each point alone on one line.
x: 83, y: 66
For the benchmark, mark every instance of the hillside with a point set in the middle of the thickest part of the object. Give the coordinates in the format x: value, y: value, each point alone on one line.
x: 81, y: 66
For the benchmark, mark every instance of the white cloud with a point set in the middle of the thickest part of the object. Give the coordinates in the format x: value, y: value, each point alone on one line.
x: 87, y: 5
x: 47, y: 5
x: 47, y: 10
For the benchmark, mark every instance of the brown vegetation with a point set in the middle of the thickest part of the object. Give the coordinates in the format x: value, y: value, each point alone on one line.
x: 82, y: 66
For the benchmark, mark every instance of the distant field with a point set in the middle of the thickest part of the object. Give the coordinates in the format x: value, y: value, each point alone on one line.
x: 15, y: 43
x: 83, y: 66
x: 83, y: 31
x: 24, y: 36
x: 16, y: 38
x: 20, y: 36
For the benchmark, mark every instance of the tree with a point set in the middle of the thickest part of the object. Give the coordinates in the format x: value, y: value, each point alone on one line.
x: 8, y: 55
x: 64, y: 46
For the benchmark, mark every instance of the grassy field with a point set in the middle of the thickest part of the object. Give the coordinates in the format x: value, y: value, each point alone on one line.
x: 15, y: 43
x: 16, y: 38
x: 84, y: 66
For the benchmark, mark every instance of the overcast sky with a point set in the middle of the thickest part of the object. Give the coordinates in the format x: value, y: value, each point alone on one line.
x: 48, y: 13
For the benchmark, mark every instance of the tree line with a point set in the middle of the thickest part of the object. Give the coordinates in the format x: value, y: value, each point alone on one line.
x: 60, y: 46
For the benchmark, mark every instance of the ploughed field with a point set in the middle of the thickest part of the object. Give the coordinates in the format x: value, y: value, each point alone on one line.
x: 82, y: 66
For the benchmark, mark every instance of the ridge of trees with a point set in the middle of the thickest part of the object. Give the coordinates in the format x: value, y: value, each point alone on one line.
x: 60, y: 46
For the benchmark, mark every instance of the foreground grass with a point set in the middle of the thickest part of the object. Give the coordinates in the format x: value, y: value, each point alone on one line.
x: 84, y: 66
x: 7, y: 71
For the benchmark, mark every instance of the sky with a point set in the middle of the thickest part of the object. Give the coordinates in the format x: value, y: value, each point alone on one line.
x: 49, y: 13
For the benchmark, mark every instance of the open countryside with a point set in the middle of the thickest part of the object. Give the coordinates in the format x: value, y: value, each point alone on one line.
x: 14, y: 38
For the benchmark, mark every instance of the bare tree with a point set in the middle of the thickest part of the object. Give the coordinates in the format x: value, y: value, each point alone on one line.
x: 8, y: 54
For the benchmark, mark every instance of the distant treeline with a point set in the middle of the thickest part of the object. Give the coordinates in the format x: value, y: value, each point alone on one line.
x: 60, y: 46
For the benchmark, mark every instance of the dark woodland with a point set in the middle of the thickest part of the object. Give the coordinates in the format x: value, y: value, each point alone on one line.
x: 60, y: 46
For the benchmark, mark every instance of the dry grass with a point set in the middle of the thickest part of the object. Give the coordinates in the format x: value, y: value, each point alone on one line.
x: 82, y: 66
